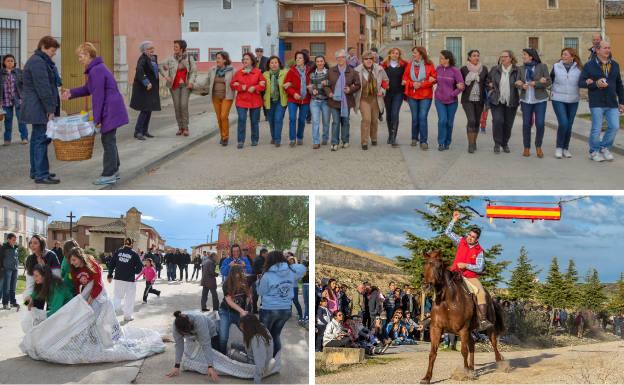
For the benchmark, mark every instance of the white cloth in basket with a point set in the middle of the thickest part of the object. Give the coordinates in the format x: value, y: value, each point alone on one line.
x: 70, y: 128
x: 79, y: 333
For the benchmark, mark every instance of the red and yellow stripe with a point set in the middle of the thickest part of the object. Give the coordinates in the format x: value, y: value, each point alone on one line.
x: 519, y: 212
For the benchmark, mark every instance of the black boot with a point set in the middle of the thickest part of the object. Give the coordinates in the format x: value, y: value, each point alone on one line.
x: 393, y: 138
x: 484, y: 323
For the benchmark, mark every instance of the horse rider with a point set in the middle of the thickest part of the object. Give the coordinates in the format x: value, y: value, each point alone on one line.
x: 469, y: 261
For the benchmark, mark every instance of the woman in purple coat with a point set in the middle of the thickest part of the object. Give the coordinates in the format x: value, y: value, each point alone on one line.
x: 109, y: 108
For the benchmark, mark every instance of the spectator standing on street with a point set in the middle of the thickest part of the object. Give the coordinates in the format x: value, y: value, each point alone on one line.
x: 450, y: 85
x: 601, y: 76
x: 236, y: 258
x: 565, y: 97
x: 504, y: 99
x: 40, y: 104
x: 58, y: 251
x: 257, y: 269
x: 222, y: 93
x: 419, y: 78
x: 343, y: 83
x: 249, y: 83
x: 145, y: 89
x: 291, y: 261
x: 369, y: 99
x: 209, y: 282
x: 352, y: 59
x: 275, y: 98
x: 9, y: 264
x: 318, y: 103
x: 124, y: 265
x: 596, y: 39
x: 180, y: 71
x: 196, y: 267
x: 262, y: 62
x: 473, y: 97
x: 394, y: 65
x: 296, y: 86
x: 109, y: 108
x: 11, y: 76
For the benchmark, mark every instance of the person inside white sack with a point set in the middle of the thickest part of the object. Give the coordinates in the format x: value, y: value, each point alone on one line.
x: 257, y: 346
x: 125, y: 265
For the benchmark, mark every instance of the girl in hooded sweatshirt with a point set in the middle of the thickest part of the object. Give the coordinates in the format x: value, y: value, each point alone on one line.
x: 276, y: 288
x: 257, y: 348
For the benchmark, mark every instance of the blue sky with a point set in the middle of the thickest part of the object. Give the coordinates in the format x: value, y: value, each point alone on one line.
x: 591, y: 230
x: 402, y: 6
x: 184, y: 220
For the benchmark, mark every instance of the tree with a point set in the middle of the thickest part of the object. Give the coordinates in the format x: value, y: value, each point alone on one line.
x: 570, y: 292
x: 571, y: 273
x: 522, y: 284
x: 592, y: 297
x: 616, y: 305
x: 22, y: 254
x: 276, y: 221
x: 438, y: 217
x: 550, y: 292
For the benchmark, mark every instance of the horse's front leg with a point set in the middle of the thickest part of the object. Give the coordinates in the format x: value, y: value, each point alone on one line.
x: 435, y: 333
x: 464, y: 334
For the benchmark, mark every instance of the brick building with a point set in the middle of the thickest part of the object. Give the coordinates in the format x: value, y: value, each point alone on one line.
x: 494, y: 25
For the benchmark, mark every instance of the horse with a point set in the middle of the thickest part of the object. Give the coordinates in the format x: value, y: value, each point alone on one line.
x: 454, y: 310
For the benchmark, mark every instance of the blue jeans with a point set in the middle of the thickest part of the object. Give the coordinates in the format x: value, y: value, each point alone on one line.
x: 39, y: 165
x: 8, y: 123
x: 340, y: 126
x: 275, y: 116
x: 613, y: 125
x: 446, y: 119
x: 227, y: 318
x: 320, y: 112
x: 393, y: 108
x: 566, y: 112
x: 297, y: 123
x: 528, y: 111
x: 420, y: 111
x: 306, y: 300
x: 8, y: 281
x: 142, y: 123
x: 254, y: 116
x: 274, y: 321
x: 171, y: 271
x: 296, y: 302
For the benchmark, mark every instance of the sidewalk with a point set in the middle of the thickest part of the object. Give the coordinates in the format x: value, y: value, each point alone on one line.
x: 137, y: 157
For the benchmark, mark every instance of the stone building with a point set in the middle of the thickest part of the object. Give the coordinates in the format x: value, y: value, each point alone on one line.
x: 494, y: 25
x: 22, y: 24
x: 407, y: 25
x: 614, y: 28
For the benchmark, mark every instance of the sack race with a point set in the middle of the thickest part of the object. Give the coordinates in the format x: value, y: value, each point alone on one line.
x: 69, y: 128
x: 202, y: 84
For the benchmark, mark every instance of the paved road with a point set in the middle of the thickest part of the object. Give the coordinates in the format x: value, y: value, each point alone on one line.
x: 582, y: 364
x: 158, y: 315
x: 211, y: 166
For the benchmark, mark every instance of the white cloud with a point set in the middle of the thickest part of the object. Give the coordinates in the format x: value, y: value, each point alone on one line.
x: 194, y: 198
x: 150, y: 218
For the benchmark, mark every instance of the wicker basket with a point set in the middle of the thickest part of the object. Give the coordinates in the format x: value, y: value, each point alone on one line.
x: 81, y: 149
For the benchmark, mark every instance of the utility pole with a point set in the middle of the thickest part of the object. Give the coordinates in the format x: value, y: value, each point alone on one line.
x: 71, y: 217
x: 211, y: 231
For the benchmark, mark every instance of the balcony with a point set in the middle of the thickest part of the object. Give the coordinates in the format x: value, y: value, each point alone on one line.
x: 311, y: 28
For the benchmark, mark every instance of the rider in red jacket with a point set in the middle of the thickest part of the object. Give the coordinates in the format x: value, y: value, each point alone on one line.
x: 469, y: 261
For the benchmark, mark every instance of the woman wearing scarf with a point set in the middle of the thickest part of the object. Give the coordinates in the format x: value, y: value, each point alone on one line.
x: 145, y: 88
x: 275, y: 98
x: 394, y: 66
x: 418, y: 79
x: 342, y: 83
x: 533, y: 83
x: 369, y: 100
x: 249, y: 83
x: 473, y: 98
x: 504, y: 99
x: 222, y: 94
x: 296, y: 86
x: 450, y: 85
x: 180, y: 72
x: 318, y: 104
x: 41, y: 103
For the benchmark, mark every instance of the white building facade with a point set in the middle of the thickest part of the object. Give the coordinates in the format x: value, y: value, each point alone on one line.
x: 235, y: 26
x: 21, y: 219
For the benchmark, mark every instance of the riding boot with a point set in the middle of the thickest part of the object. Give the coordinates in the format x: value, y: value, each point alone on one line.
x: 484, y: 323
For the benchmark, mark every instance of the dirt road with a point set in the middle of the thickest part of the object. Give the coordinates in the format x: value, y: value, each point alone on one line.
x: 596, y: 363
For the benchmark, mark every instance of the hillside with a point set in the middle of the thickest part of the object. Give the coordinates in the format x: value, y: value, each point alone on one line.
x: 331, y: 254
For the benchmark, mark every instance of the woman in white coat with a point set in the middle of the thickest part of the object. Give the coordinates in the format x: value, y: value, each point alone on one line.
x: 369, y: 100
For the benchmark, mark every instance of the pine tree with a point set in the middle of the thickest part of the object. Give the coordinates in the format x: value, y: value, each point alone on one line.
x: 571, y: 273
x: 438, y: 218
x: 592, y: 297
x: 550, y: 291
x: 571, y: 292
x: 616, y: 305
x: 522, y: 284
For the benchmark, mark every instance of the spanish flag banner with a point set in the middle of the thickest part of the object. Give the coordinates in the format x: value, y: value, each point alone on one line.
x: 522, y: 212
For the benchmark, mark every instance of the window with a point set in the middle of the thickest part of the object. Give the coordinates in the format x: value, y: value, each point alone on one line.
x: 454, y: 44
x: 552, y: 4
x: 212, y: 53
x: 10, y: 38
x: 193, y: 26
x: 194, y: 53
x: 288, y: 14
x: 17, y: 223
x: 245, y: 49
x: 6, y: 217
x: 317, y: 20
x: 317, y: 49
x: 571, y: 42
x: 534, y: 43
x: 288, y: 46
x: 227, y: 4
x: 473, y: 5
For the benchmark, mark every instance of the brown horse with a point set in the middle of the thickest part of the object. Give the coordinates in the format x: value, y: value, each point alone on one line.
x: 454, y: 311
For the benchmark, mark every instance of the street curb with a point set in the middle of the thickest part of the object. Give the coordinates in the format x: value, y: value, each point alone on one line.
x: 165, y: 158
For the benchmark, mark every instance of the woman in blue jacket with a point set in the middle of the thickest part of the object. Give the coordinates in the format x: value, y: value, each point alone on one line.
x: 276, y: 288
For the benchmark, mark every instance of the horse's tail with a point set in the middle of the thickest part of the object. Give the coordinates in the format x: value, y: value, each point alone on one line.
x: 499, y: 324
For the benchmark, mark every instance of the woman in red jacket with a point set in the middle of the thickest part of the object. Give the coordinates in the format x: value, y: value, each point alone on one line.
x: 296, y: 85
x: 248, y: 82
x: 85, y: 269
x: 418, y: 79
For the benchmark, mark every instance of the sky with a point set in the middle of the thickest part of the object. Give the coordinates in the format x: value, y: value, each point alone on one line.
x: 402, y: 6
x: 591, y: 230
x: 183, y: 219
